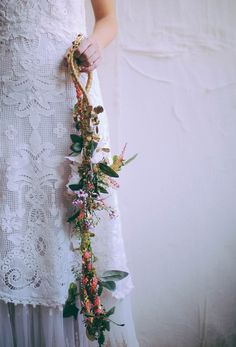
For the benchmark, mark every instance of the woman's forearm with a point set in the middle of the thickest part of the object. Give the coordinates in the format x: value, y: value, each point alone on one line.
x: 105, y: 28
x: 89, y: 52
x: 104, y: 31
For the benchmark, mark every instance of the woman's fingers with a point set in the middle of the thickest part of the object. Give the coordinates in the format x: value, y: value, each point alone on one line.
x: 88, y: 54
x: 91, y: 67
x: 84, y: 44
x: 65, y: 57
x: 93, y: 58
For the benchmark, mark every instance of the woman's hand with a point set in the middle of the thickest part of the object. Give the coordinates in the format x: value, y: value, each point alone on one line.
x: 89, y: 54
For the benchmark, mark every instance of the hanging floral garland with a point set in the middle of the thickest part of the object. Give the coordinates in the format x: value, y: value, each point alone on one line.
x: 95, y: 178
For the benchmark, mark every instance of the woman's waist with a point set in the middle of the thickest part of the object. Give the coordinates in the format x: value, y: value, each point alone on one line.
x: 61, y: 31
x: 34, y: 53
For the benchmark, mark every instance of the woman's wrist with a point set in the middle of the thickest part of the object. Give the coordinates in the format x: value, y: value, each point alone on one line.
x: 104, y: 31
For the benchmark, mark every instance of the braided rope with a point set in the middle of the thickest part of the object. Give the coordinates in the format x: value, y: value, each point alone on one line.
x: 75, y: 68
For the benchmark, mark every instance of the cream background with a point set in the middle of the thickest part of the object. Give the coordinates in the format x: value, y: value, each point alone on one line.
x: 168, y: 82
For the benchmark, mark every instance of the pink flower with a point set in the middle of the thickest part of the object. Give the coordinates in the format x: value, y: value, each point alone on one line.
x: 85, y: 281
x: 87, y: 305
x: 89, y: 267
x: 97, y: 301
x: 98, y: 310
x: 94, y: 283
x: 87, y: 255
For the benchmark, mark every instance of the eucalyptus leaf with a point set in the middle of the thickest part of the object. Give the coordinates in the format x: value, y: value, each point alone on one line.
x: 107, y: 170
x: 92, y: 146
x: 110, y: 312
x: 130, y: 159
x: 113, y: 275
x: 110, y: 285
x: 76, y: 147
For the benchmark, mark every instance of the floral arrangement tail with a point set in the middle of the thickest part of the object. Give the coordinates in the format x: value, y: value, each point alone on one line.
x: 94, y: 179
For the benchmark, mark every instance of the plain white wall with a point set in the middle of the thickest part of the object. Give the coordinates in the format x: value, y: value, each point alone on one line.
x: 169, y: 86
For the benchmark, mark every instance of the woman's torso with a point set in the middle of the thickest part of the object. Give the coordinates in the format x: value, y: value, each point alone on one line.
x: 29, y: 18
x: 36, y: 97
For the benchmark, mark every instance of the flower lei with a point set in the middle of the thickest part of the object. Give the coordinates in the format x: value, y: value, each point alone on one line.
x: 94, y: 180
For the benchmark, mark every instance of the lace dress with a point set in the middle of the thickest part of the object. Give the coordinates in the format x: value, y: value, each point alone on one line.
x: 36, y: 100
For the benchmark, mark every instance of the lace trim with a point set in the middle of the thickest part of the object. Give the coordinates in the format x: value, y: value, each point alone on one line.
x: 118, y: 294
x: 34, y: 303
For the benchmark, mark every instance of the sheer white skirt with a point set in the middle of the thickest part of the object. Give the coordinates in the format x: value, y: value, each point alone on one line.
x: 41, y: 326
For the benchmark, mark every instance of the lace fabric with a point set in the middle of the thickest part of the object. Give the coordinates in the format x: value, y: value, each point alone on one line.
x: 36, y: 100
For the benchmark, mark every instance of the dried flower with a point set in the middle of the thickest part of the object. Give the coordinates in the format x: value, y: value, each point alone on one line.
x: 92, y: 174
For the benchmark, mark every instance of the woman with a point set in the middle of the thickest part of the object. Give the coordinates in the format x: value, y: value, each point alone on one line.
x: 37, y: 96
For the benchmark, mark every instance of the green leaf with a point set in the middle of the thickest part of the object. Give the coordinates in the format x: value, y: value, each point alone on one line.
x: 74, y: 186
x: 95, y: 182
x: 77, y: 125
x: 110, y: 285
x: 114, y: 275
x: 107, y: 170
x: 130, y: 159
x: 76, y: 147
x: 72, y: 291
x: 101, y: 339
x: 110, y: 312
x: 71, y: 218
x: 70, y: 310
x: 102, y: 190
x: 100, y: 289
x: 77, y: 186
x: 92, y: 146
x: 89, y: 335
x: 107, y: 325
x: 76, y: 138
x: 89, y: 315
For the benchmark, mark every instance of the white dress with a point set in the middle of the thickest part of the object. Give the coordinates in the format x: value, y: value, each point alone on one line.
x: 36, y: 100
